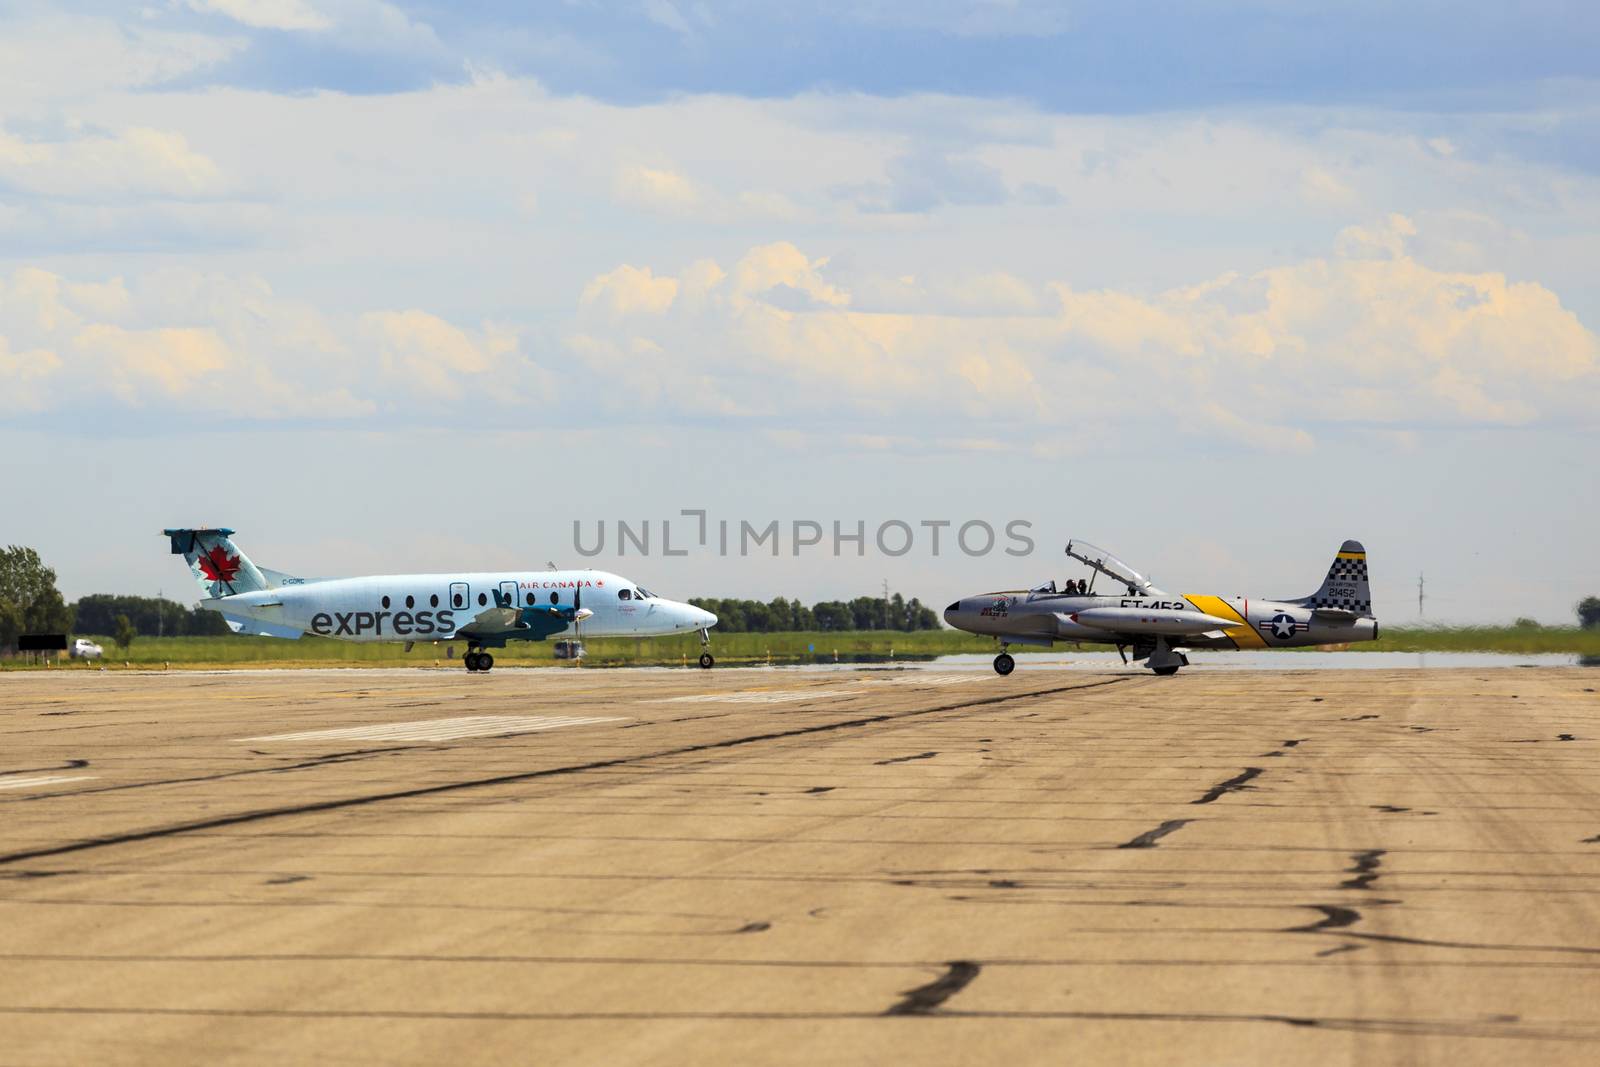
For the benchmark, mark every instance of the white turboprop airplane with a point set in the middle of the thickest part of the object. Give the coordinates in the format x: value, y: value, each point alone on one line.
x: 484, y: 609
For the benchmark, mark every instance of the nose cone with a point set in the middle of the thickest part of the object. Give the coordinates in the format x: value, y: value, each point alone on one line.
x: 952, y: 614
x: 703, y: 619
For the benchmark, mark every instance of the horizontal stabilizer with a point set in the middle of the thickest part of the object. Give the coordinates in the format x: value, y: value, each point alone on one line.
x: 256, y: 628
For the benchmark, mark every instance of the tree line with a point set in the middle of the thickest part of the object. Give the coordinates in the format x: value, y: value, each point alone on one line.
x: 30, y: 603
x: 148, y: 615
x: 738, y: 616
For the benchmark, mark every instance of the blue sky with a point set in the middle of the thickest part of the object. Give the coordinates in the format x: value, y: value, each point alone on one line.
x: 403, y: 287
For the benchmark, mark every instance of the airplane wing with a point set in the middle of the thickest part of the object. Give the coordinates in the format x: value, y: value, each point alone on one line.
x: 532, y: 623
x: 1336, y: 615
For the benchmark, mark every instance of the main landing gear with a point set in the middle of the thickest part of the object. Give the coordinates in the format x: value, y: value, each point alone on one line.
x: 477, y: 661
x: 706, y: 661
x: 1163, y: 658
x: 1004, y: 664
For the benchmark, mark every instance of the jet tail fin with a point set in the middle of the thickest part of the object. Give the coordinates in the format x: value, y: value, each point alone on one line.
x: 1345, y: 588
x: 219, y: 568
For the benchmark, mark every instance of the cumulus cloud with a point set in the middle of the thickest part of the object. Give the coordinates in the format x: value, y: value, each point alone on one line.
x: 434, y: 358
x: 656, y: 188
x: 26, y: 375
x: 267, y: 14
x: 629, y: 290
x: 1367, y: 336
x: 211, y: 346
x: 64, y: 57
x: 136, y: 161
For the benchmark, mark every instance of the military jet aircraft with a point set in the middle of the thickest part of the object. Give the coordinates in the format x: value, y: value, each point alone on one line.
x: 1128, y: 611
x: 482, y: 610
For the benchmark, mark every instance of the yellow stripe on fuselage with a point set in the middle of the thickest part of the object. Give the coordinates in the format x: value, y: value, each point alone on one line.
x: 1244, y: 635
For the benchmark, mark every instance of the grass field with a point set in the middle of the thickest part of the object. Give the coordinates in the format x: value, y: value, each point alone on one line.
x: 180, y: 652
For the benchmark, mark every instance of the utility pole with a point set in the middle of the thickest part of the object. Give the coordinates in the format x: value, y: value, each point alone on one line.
x: 1419, y: 594
x: 888, y: 623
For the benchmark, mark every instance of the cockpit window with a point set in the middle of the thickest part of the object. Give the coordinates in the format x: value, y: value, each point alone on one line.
x: 643, y: 594
x: 623, y: 594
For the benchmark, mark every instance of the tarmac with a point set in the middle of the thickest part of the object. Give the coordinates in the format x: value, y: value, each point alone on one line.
x: 800, y: 866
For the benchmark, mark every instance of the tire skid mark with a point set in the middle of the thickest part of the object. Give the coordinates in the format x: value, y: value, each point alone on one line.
x: 66, y: 765
x: 1364, y: 865
x: 1149, y: 838
x: 925, y: 999
x: 317, y: 761
x: 317, y: 807
x: 1412, y: 1027
x: 1339, y: 917
x: 904, y: 759
x: 1222, y: 789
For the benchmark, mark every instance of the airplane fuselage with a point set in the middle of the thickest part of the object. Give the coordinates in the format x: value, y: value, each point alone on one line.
x: 431, y: 607
x: 1021, y: 617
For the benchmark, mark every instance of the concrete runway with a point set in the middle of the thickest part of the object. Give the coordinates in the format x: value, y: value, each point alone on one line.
x: 755, y: 866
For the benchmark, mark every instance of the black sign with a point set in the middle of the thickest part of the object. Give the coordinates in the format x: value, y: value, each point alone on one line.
x: 42, y: 643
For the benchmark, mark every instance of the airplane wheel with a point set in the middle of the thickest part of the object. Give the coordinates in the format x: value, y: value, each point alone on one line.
x: 1004, y: 664
x: 485, y: 661
x: 1164, y: 671
x: 706, y: 661
x: 471, y: 661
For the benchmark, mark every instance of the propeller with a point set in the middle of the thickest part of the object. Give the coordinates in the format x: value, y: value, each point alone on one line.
x: 578, y: 616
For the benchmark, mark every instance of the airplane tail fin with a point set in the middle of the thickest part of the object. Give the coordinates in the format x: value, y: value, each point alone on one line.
x: 219, y: 568
x: 1345, y: 588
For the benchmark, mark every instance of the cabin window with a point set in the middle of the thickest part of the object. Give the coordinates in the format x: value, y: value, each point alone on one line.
x: 385, y: 601
x: 433, y: 600
x: 623, y: 594
x: 530, y: 600
x: 411, y: 601
x: 483, y: 599
x: 555, y: 598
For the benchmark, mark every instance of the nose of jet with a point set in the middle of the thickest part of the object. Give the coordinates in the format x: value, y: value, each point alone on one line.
x: 702, y: 619
x: 952, y: 613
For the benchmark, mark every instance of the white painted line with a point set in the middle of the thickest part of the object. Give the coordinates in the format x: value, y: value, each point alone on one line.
x: 442, y: 729
x: 782, y: 696
x: 55, y: 779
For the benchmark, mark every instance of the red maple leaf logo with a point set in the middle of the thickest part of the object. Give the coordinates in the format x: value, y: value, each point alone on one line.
x: 218, y: 566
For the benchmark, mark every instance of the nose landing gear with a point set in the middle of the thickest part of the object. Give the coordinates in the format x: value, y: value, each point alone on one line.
x: 1004, y: 664
x: 706, y: 661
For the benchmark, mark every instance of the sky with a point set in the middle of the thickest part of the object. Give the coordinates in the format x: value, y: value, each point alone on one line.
x: 411, y: 287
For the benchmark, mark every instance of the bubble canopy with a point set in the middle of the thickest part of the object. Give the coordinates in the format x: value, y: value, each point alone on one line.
x: 1111, y: 567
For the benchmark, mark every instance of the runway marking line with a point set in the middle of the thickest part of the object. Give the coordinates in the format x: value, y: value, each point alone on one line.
x: 54, y: 779
x: 753, y: 696
x: 442, y: 729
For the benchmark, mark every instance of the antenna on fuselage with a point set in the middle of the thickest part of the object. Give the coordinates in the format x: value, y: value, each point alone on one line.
x: 550, y: 565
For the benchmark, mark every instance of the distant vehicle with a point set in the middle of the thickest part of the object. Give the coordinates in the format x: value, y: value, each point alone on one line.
x: 1159, y: 627
x: 483, y: 609
x: 83, y: 648
x: 570, y: 650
